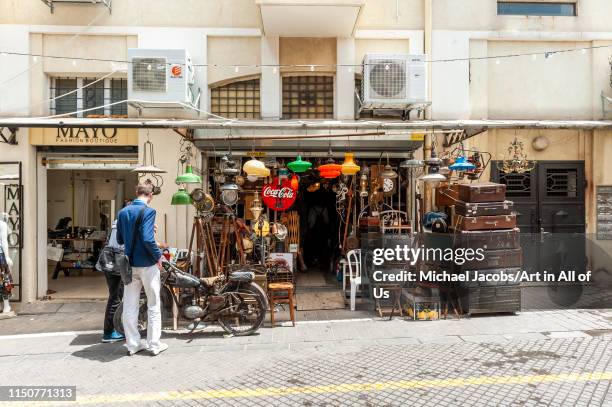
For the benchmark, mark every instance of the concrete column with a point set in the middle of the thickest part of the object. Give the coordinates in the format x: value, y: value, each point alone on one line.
x: 345, y: 79
x: 270, y: 85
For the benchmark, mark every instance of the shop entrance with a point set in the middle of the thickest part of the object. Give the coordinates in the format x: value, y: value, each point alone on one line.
x: 317, y: 286
x: 81, y: 207
x: 550, y: 204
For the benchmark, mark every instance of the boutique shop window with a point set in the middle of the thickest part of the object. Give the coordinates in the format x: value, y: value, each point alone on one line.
x: 90, y: 97
x: 308, y: 97
x: 236, y: 100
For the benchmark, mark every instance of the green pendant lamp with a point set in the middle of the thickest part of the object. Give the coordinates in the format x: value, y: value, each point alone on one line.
x: 299, y: 165
x: 188, y: 177
x: 181, y: 197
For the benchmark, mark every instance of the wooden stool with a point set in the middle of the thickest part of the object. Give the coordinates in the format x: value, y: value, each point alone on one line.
x: 281, y: 293
x: 396, y: 294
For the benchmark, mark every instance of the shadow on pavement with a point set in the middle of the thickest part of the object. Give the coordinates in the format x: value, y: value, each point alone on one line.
x: 101, y: 352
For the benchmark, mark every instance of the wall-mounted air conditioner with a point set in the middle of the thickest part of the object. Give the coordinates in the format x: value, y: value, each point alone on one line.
x: 161, y: 78
x: 393, y: 81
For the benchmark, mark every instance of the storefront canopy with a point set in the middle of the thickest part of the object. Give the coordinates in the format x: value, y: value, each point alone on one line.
x: 367, y: 136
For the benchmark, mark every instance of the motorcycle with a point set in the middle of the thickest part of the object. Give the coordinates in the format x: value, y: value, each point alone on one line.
x: 236, y: 303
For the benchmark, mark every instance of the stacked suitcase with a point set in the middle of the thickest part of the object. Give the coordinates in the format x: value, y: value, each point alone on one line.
x: 483, y: 218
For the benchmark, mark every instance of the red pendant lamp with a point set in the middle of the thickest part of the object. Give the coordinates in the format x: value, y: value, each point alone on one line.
x: 330, y: 169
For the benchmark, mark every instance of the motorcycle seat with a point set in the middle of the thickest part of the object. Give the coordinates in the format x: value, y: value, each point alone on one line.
x: 242, y: 276
x: 210, y: 281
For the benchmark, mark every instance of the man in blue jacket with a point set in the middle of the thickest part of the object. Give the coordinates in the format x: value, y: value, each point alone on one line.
x: 136, y: 230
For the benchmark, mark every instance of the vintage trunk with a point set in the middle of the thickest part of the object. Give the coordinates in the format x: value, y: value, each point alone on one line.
x: 482, y: 192
x: 488, y: 239
x: 484, y: 222
x: 483, y: 300
x: 483, y: 208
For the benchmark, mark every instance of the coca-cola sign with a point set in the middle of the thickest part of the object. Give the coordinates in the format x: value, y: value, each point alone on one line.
x: 278, y: 196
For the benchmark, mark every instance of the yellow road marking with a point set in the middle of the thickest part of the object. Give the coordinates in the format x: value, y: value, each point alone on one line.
x: 334, y: 388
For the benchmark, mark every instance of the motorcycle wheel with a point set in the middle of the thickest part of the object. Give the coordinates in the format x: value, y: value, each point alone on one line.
x: 166, y: 300
x: 245, y: 310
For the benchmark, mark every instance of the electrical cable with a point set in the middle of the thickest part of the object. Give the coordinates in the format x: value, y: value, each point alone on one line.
x: 36, y: 55
x: 546, y: 54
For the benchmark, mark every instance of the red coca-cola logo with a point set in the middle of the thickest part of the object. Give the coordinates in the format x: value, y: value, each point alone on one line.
x: 278, y: 196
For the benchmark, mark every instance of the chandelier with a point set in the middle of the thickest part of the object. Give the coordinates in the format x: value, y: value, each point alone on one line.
x: 516, y: 160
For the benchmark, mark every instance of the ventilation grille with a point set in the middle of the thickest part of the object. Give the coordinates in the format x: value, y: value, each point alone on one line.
x: 149, y: 74
x: 387, y: 79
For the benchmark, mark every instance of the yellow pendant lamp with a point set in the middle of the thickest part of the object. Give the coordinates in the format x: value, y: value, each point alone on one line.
x: 348, y: 166
x: 255, y: 168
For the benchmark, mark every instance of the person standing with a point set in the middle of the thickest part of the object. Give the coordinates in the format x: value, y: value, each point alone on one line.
x: 136, y: 231
x: 115, y: 289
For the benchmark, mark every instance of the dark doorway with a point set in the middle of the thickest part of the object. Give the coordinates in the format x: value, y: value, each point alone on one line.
x: 550, y: 205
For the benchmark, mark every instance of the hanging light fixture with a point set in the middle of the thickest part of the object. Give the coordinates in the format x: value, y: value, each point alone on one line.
x: 255, y: 168
x: 388, y: 172
x: 462, y: 164
x: 299, y: 165
x: 330, y: 169
x: 256, y: 207
x: 181, y: 197
x: 188, y: 177
x: 433, y: 176
x: 148, y: 169
x: 348, y: 166
x: 411, y: 162
x: 515, y: 161
x: 295, y: 182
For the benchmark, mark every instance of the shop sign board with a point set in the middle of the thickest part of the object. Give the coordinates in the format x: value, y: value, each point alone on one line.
x: 278, y: 195
x: 604, y: 212
x: 83, y: 136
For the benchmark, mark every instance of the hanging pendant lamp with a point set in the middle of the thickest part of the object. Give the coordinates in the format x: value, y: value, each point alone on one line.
x: 388, y: 172
x: 348, y: 166
x: 462, y: 164
x: 188, y: 177
x: 255, y: 168
x: 181, y: 197
x: 299, y: 165
x: 295, y: 182
x: 411, y: 162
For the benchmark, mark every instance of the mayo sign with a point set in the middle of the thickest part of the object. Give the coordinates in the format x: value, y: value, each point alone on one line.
x: 81, y: 136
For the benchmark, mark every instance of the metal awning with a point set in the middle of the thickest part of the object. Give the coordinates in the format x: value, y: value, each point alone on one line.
x: 348, y: 125
x: 369, y: 136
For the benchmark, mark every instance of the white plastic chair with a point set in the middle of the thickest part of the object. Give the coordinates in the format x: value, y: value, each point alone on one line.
x: 353, y: 258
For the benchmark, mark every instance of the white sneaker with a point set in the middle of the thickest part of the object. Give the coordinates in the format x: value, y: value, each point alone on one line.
x: 139, y: 348
x: 162, y: 347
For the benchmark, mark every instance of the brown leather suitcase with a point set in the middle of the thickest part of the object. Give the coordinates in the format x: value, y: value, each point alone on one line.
x: 502, y: 239
x: 447, y: 196
x: 484, y: 222
x: 494, y: 259
x: 482, y: 192
x: 483, y: 208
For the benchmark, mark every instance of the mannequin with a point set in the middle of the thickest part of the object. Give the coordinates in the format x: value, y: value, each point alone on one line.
x: 6, y: 281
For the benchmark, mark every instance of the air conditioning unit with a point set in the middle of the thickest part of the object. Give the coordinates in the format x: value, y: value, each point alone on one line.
x: 161, y: 78
x: 393, y: 81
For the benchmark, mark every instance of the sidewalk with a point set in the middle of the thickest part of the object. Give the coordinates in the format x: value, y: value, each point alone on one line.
x: 533, y: 358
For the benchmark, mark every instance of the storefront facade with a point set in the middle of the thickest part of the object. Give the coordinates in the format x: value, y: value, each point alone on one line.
x: 237, y: 40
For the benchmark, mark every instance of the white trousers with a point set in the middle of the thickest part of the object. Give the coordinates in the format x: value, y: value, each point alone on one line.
x: 147, y: 277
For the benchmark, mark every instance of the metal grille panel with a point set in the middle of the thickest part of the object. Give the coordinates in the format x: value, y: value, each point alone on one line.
x: 517, y: 185
x: 561, y: 182
x: 308, y: 97
x: 149, y: 74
